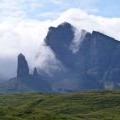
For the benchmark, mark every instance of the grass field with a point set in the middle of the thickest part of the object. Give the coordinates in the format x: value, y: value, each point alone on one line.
x: 104, y: 105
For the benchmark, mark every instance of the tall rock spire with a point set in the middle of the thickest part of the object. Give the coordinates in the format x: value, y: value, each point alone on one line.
x: 22, y: 68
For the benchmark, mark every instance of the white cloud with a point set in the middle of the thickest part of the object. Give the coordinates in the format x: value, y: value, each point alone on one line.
x: 11, y: 8
x: 21, y: 34
x: 57, y: 1
x: 79, y: 3
x: 89, y: 22
x: 19, y: 8
x: 35, y: 5
x: 48, y: 15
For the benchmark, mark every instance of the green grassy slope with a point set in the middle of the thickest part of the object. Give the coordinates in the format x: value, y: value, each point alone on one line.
x: 76, y: 106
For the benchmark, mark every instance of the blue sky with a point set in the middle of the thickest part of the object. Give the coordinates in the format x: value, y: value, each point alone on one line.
x: 108, y: 8
x: 50, y: 9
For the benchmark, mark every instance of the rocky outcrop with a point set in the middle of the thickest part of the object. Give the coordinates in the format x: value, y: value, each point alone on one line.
x: 22, y: 68
x: 25, y: 82
x: 59, y: 39
x: 95, y: 63
x: 38, y: 83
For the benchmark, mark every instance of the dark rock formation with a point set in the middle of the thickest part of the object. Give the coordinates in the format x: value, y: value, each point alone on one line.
x: 24, y: 82
x: 96, y: 62
x: 38, y: 83
x: 59, y: 39
x: 22, y: 69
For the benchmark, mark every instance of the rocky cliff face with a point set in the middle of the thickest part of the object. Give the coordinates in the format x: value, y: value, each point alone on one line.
x: 59, y: 39
x: 96, y: 63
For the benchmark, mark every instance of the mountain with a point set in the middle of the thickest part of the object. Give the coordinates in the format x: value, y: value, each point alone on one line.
x: 24, y: 82
x: 96, y: 63
x: 88, y: 61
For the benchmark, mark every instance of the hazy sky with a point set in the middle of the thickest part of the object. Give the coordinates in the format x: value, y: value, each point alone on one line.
x: 24, y: 25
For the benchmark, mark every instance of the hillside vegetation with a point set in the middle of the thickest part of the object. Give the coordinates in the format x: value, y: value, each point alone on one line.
x: 104, y: 105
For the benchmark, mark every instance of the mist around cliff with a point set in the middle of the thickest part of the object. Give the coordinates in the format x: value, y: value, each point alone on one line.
x: 25, y: 35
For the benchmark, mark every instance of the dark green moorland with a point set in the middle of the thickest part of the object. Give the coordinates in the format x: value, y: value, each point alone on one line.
x: 104, y: 105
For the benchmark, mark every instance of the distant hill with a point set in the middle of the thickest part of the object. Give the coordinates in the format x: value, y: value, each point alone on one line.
x: 104, y: 105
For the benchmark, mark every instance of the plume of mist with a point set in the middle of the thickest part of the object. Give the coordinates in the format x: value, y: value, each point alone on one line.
x: 79, y: 37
